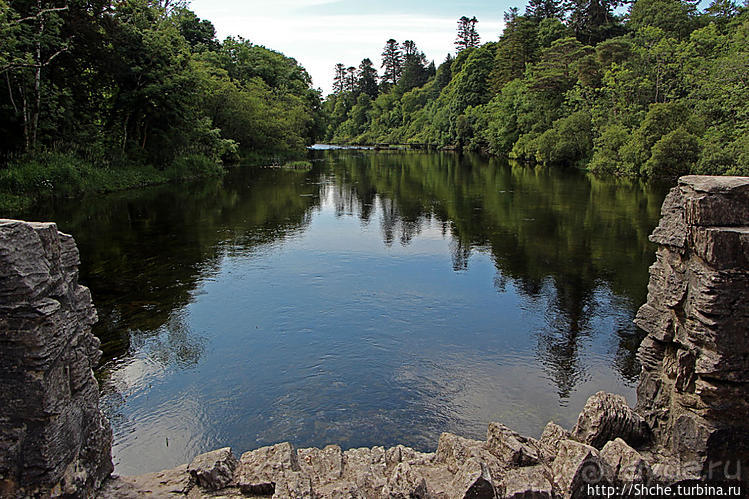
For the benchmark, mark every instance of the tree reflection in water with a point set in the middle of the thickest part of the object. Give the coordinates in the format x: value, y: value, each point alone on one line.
x: 568, y: 248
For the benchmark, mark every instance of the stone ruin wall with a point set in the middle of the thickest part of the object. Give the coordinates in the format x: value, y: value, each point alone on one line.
x: 691, y: 413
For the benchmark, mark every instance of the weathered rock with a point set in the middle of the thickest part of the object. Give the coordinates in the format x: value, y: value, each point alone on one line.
x: 526, y: 483
x: 214, y: 470
x: 169, y: 483
x: 261, y: 470
x: 551, y: 438
x: 53, y: 437
x: 628, y: 465
x: 366, y: 470
x: 578, y: 465
x: 510, y: 447
x: 324, y: 466
x: 453, y: 451
x: 607, y: 416
x: 473, y: 480
x: 405, y: 483
x: 695, y: 359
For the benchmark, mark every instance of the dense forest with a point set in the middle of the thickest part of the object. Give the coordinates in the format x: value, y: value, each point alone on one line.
x: 101, y: 95
x: 654, y: 88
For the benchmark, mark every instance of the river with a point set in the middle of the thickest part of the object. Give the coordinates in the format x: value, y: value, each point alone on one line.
x: 376, y: 298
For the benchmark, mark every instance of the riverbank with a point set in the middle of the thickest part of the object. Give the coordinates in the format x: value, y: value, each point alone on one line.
x: 63, y: 175
x: 66, y: 175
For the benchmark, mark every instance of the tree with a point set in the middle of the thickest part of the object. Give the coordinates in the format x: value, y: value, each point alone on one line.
x: 339, y: 80
x: 672, y: 16
x: 517, y: 47
x: 392, y: 63
x: 593, y: 20
x: 414, y: 72
x: 199, y: 33
x: 367, y: 79
x: 38, y: 43
x: 467, y: 35
x: 350, y: 85
x: 443, y: 76
x: 556, y: 72
x: 722, y: 9
x: 545, y: 9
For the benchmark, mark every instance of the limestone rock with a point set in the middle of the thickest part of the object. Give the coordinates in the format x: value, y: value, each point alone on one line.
x: 607, y: 416
x: 53, y: 437
x: 405, y: 483
x: 324, y: 466
x: 695, y: 359
x: 453, y: 451
x: 526, y: 483
x: 628, y: 465
x: 259, y: 471
x: 510, y: 447
x: 473, y: 481
x: 551, y: 439
x: 578, y: 465
x: 169, y: 483
x: 365, y: 469
x: 214, y: 470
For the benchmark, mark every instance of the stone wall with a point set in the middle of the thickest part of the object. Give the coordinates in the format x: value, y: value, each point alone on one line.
x: 53, y: 438
x: 694, y: 385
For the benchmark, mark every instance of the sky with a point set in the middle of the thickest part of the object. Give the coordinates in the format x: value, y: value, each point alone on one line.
x: 321, y: 33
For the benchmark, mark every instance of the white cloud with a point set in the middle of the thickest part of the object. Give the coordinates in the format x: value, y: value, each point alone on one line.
x: 318, y: 42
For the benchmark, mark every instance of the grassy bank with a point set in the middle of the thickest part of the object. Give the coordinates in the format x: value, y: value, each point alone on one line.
x: 64, y: 175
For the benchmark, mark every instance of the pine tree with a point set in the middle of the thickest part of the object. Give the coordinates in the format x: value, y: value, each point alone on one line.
x: 350, y: 85
x: 593, y: 20
x: 339, y: 81
x: 516, y: 48
x: 392, y: 63
x: 467, y: 35
x: 414, y: 72
x: 367, y: 79
x: 545, y: 9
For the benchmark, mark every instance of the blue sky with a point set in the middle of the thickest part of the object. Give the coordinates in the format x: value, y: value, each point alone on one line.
x: 320, y: 33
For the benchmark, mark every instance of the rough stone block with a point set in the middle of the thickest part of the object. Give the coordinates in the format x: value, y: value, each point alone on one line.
x: 628, y: 465
x: 607, y: 416
x: 526, y: 483
x: 578, y: 465
x: 214, y: 470
x: 510, y: 447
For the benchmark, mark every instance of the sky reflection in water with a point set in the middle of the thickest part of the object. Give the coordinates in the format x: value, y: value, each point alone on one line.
x: 377, y: 299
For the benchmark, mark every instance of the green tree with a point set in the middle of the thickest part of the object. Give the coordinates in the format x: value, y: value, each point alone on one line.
x: 517, y: 47
x: 467, y: 36
x: 339, y: 80
x: 673, y: 17
x: 414, y: 72
x: 367, y: 79
x: 545, y: 9
x: 392, y: 63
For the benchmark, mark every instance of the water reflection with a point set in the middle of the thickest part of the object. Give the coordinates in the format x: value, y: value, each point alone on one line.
x: 377, y: 298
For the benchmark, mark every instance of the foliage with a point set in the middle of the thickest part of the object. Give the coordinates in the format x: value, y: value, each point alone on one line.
x: 133, y: 83
x: 662, y: 93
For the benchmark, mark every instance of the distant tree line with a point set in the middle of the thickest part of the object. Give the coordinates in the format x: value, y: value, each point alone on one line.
x: 659, y: 90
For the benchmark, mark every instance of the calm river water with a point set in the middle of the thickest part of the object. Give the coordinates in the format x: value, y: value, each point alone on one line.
x: 378, y: 298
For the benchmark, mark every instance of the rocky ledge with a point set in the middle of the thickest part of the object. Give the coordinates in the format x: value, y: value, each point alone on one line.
x: 559, y: 464
x: 53, y: 438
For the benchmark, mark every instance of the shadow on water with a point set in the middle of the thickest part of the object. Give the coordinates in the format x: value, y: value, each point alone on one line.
x: 376, y: 298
